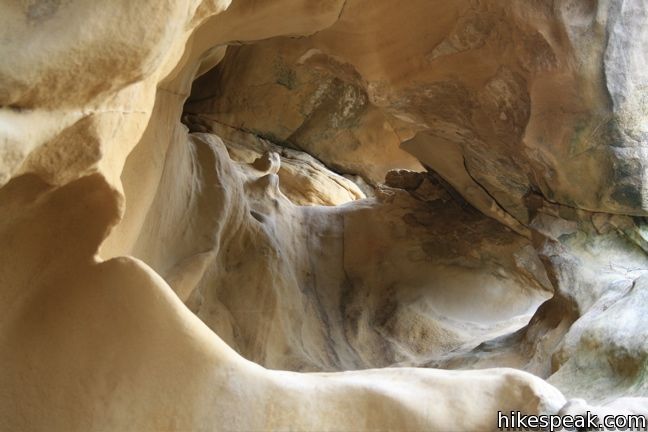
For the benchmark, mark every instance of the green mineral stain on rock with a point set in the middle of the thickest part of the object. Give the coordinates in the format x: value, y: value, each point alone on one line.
x: 285, y: 76
x: 628, y: 195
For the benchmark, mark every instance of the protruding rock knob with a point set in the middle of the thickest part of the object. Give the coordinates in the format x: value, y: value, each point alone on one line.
x: 270, y: 162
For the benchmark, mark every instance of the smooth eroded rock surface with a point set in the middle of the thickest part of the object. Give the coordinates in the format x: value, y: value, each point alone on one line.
x: 321, y: 215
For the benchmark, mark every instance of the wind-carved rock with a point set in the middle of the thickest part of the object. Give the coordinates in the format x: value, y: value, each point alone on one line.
x: 269, y: 162
x: 441, y: 205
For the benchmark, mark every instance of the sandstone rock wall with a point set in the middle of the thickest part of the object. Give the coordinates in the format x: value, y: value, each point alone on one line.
x: 320, y: 215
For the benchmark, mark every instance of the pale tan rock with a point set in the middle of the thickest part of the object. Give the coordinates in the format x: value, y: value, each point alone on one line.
x: 304, y: 179
x: 268, y: 162
x: 151, y: 270
x: 518, y: 89
x: 114, y: 342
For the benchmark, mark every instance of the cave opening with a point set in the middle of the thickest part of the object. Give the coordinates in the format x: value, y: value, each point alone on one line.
x: 201, y: 201
x: 362, y: 254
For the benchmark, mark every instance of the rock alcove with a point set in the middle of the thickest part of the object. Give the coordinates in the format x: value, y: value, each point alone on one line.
x: 320, y: 215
